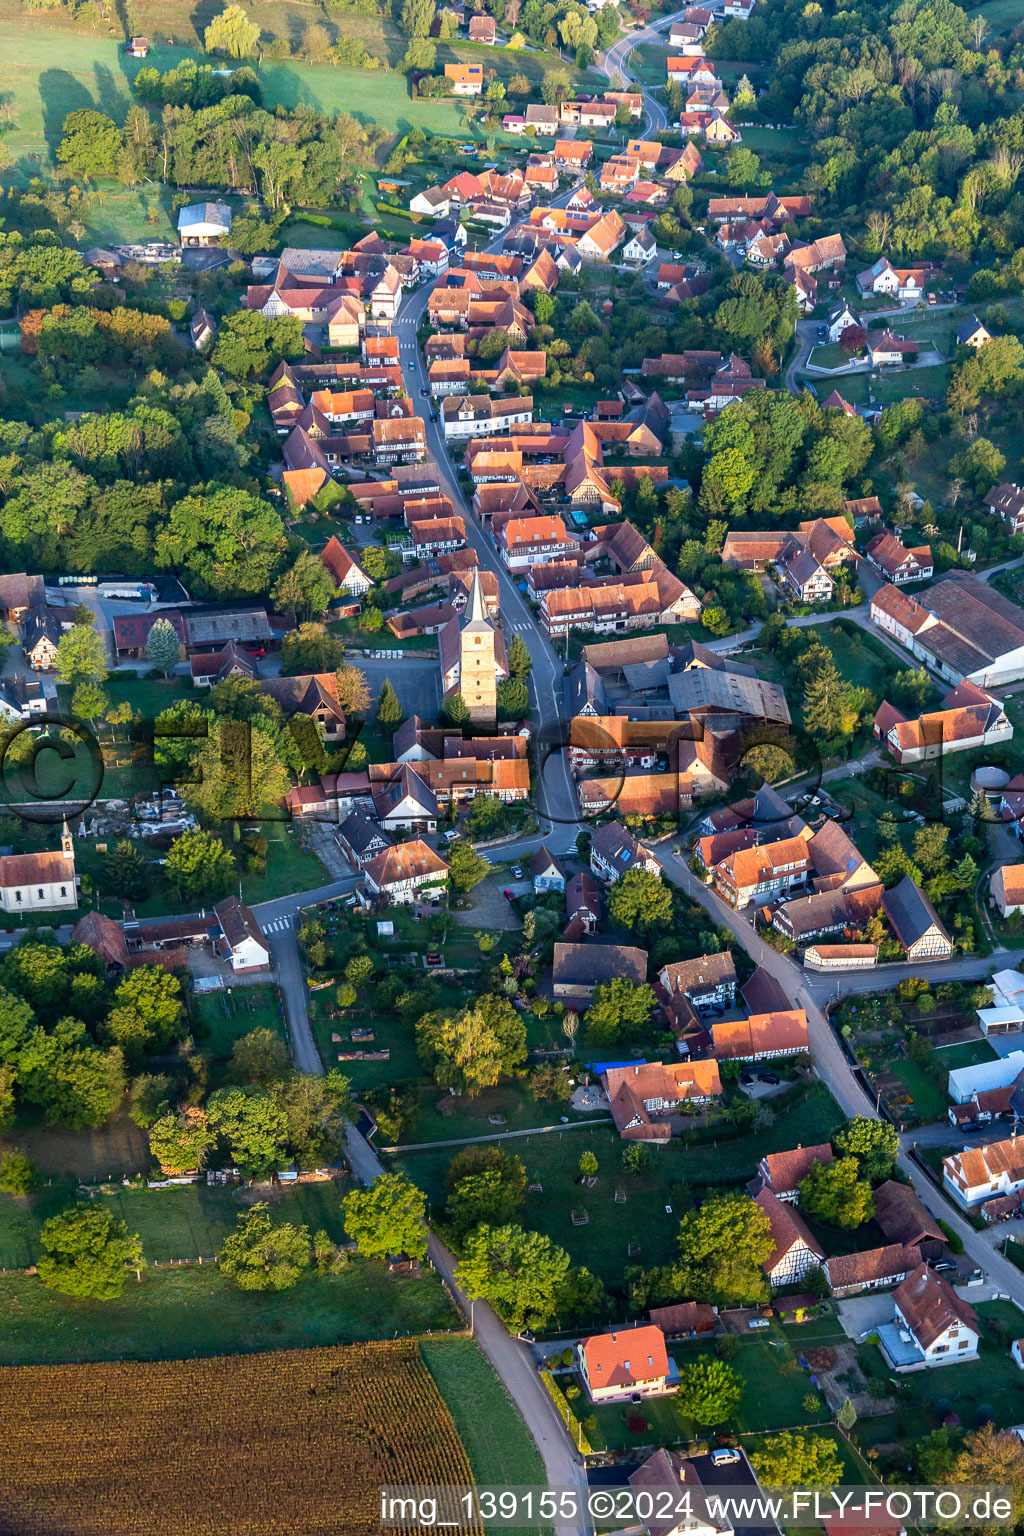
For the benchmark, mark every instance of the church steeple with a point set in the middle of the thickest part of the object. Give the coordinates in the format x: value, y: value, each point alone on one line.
x: 67, y: 844
x: 477, y: 617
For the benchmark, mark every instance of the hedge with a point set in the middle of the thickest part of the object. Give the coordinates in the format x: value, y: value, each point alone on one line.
x: 569, y: 1419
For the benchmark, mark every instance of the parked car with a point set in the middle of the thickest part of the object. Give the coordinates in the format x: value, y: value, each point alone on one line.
x: 770, y: 1077
x: 726, y: 1457
x: 509, y: 895
x: 516, y: 871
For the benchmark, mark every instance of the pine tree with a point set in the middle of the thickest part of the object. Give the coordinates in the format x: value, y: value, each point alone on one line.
x: 389, y: 710
x: 456, y: 708
x: 162, y: 648
x: 513, y: 699
x: 520, y: 662
x: 827, y: 702
x: 124, y: 872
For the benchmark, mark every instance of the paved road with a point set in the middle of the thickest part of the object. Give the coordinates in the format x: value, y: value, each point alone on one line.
x: 510, y: 1358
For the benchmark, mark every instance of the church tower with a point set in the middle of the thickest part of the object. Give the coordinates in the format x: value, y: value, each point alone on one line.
x: 67, y: 845
x: 478, y: 659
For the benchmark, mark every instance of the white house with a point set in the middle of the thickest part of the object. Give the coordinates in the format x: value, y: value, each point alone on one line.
x: 840, y: 317
x: 399, y: 874
x: 241, y: 938
x: 546, y: 872
x: 905, y: 283
x: 471, y: 416
x: 642, y: 248
x: 980, y: 1173
x: 795, y: 1252
x: 615, y: 1366
x: 932, y: 1325
x: 38, y: 882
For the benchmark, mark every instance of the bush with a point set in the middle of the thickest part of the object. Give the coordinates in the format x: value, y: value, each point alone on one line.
x: 954, y: 1241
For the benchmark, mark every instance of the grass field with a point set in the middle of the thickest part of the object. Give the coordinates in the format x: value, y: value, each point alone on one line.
x: 181, y: 1223
x: 321, y: 1431
x: 220, y: 1018
x: 47, y: 77
x: 500, y: 1448
x: 191, y: 1312
x: 552, y: 1160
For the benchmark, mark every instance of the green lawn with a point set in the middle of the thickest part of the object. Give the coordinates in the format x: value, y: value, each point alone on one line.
x: 192, y: 1312
x: 49, y: 76
x: 220, y: 1018
x: 185, y: 1222
x: 930, y: 1103
x: 290, y: 866
x: 774, y: 1387
x: 552, y: 1160
x: 969, y: 1054
x: 992, y: 1379
x: 500, y: 1448
x: 391, y: 1033
x: 831, y: 356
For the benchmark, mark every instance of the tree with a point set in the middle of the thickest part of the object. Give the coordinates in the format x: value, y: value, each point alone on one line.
x: 709, y: 1391
x: 353, y: 691
x: 91, y: 145
x: 199, y: 865
x: 640, y: 899
x: 230, y: 541
x: 474, y: 1048
x: 992, y: 1458
x: 163, y: 648
x: 305, y: 590
x: 124, y: 872
x: 829, y: 708
x: 239, y: 769
x: 81, y: 656
x: 588, y: 1164
x: 417, y: 17
x: 836, y: 1193
x: 789, y: 1460
x: 722, y: 1247
x: 513, y: 698
x: 88, y: 702
x: 260, y: 1255
x: 255, y: 1126
x: 17, y: 1174
x: 421, y: 55
x: 520, y: 1273
x: 467, y: 867
x: 520, y: 662
x: 619, y: 1010
x: 387, y: 1218
x: 483, y: 1183
x: 456, y: 708
x: 260, y: 1057
x: 232, y: 33
x: 874, y: 1143
x: 248, y: 343
x: 68, y: 1077
x: 389, y: 710
x: 87, y: 1253
x: 180, y: 1142
x: 310, y: 648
